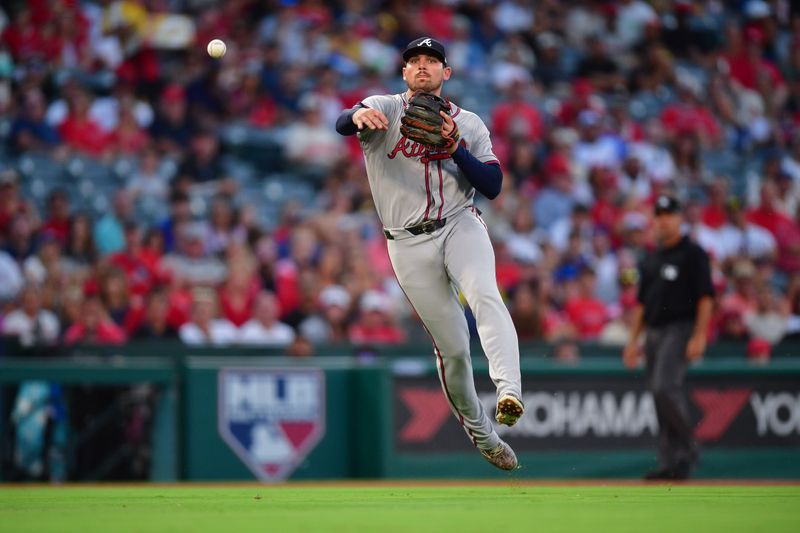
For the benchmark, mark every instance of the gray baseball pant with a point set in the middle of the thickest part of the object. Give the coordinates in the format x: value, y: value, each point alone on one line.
x: 432, y: 269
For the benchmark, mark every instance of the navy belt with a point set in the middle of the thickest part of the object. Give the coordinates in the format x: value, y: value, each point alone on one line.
x: 429, y: 226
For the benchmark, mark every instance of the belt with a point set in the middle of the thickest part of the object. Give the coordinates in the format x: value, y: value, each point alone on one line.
x: 429, y: 226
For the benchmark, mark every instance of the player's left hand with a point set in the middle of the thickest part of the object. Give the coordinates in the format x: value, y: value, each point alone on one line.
x: 449, y: 131
x: 696, y: 347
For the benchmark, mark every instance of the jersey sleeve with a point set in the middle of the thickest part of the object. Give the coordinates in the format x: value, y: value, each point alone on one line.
x: 380, y: 102
x: 383, y: 103
x: 481, y: 145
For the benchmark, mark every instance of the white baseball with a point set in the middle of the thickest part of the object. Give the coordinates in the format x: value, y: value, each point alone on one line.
x: 216, y: 48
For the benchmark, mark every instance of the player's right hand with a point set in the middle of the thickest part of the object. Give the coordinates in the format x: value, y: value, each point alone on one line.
x: 370, y: 118
x: 631, y: 355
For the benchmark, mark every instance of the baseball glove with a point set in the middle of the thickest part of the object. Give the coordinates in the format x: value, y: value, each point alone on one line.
x: 422, y: 122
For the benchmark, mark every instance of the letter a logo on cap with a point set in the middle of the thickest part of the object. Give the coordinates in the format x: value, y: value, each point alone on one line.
x: 426, y: 42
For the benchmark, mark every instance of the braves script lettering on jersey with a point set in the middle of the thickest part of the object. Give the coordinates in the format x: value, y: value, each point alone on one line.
x: 411, y: 184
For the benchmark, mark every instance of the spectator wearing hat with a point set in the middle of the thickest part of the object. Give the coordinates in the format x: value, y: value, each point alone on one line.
x: 264, y: 329
x: 172, y: 126
x: 329, y: 324
x: 204, y: 327
x: 374, y: 326
x: 675, y: 302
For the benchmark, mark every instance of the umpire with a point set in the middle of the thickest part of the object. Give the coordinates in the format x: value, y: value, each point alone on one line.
x: 675, y: 302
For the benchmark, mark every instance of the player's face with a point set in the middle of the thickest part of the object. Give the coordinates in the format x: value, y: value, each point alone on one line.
x: 425, y: 73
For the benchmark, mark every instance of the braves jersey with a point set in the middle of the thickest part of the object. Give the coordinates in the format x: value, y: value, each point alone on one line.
x: 411, y: 182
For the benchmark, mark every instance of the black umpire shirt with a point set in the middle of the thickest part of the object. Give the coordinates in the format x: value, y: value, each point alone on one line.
x: 672, y: 281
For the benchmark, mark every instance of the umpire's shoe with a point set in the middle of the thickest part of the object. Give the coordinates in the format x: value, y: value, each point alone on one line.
x: 509, y: 410
x: 501, y: 456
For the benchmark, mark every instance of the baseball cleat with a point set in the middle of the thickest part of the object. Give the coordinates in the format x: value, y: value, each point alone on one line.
x: 501, y: 456
x: 509, y: 410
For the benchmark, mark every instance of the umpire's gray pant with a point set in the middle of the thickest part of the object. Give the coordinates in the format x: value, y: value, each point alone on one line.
x: 666, y: 364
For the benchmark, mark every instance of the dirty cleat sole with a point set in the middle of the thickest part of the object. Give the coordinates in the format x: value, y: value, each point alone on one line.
x: 509, y: 410
x: 501, y: 456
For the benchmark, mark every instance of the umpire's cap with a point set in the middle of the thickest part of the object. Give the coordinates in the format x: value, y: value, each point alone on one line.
x: 667, y: 204
x: 427, y: 46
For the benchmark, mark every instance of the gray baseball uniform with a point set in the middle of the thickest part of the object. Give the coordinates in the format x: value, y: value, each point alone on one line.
x: 410, y: 184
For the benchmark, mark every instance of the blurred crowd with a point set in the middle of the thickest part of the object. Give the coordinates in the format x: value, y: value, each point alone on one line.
x: 595, y: 107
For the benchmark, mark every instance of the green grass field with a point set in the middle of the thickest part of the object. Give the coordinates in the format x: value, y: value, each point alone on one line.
x: 402, y: 507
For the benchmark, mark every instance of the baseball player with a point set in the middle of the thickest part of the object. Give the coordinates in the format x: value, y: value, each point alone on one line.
x: 425, y: 157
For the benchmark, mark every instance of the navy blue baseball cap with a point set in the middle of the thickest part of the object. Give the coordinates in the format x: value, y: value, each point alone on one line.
x: 666, y: 203
x: 425, y: 45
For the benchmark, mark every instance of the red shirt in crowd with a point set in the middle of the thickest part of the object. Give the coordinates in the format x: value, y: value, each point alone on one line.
x: 84, y: 135
x: 129, y: 141
x: 239, y: 310
x: 179, y: 307
x: 681, y: 118
x: 382, y: 334
x: 747, y: 72
x: 518, y: 118
x: 714, y: 216
x: 140, y: 277
x: 58, y: 228
x: 105, y: 333
x: 786, y: 233
x: 588, y: 315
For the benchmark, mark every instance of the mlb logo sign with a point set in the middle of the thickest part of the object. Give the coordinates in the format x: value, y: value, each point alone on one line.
x: 271, y: 419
